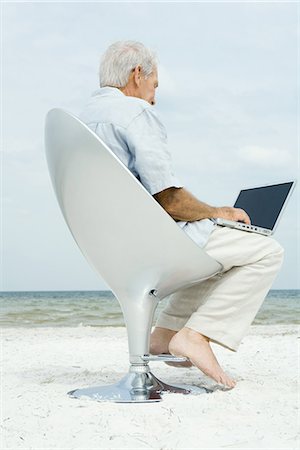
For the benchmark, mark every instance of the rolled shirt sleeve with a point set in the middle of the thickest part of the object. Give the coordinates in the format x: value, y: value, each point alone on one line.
x: 152, y: 162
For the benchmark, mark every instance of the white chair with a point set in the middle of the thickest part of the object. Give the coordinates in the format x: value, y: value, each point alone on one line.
x: 128, y: 238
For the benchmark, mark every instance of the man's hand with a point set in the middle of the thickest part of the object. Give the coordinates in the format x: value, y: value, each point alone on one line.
x: 235, y: 214
x: 182, y: 205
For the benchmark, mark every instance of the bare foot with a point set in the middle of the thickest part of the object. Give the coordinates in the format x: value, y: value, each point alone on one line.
x: 159, y: 343
x: 196, y: 347
x: 160, y: 339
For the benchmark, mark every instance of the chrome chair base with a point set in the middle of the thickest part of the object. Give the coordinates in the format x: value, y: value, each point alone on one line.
x: 138, y: 386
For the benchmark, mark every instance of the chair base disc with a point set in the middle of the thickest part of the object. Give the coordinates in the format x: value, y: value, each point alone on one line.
x: 135, y: 388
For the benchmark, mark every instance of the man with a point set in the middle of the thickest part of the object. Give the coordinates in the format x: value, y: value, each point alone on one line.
x: 222, y: 308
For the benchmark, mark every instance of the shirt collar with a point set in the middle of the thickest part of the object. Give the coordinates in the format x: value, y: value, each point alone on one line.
x: 108, y: 90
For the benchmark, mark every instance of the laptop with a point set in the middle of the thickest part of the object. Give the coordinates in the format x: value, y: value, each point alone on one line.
x: 264, y: 205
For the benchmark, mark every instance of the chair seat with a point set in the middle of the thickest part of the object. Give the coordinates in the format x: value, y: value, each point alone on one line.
x: 126, y: 236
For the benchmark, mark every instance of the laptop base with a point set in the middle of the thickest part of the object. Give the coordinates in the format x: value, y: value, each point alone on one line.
x: 242, y: 226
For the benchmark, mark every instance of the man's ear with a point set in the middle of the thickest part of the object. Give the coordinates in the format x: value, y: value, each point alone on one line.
x: 137, y: 74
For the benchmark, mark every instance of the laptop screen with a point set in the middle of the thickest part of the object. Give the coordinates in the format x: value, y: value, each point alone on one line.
x: 263, y: 204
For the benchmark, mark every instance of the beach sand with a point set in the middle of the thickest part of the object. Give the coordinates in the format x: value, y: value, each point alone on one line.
x: 40, y: 365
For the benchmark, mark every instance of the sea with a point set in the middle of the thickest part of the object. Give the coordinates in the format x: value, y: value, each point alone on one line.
x: 101, y: 309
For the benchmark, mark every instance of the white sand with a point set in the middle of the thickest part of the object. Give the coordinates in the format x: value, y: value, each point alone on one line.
x: 41, y: 365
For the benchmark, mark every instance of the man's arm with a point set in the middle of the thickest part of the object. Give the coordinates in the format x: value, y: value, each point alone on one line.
x: 182, y: 205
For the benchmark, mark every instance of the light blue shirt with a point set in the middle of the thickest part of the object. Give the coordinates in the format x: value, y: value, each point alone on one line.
x: 132, y: 130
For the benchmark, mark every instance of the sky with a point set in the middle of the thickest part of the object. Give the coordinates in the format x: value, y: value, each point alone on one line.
x: 227, y: 95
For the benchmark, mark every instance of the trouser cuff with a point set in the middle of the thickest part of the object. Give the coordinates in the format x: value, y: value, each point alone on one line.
x: 221, y: 338
x: 170, y: 322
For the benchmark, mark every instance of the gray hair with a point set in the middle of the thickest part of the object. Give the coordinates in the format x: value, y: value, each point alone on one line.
x: 121, y: 58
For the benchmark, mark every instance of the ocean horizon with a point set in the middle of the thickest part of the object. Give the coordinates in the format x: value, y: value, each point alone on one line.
x: 101, y: 309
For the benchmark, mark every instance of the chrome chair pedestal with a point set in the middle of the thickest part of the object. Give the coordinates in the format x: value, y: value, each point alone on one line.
x: 138, y: 386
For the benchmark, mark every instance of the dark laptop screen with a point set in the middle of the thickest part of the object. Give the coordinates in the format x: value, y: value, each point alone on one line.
x: 264, y: 204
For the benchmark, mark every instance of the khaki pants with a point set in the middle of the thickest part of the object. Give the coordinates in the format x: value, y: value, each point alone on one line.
x: 224, y: 306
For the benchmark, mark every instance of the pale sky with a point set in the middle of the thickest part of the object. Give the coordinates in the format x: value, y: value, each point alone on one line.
x: 227, y: 96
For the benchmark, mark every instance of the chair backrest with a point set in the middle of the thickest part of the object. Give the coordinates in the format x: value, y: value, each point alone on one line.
x: 123, y: 232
